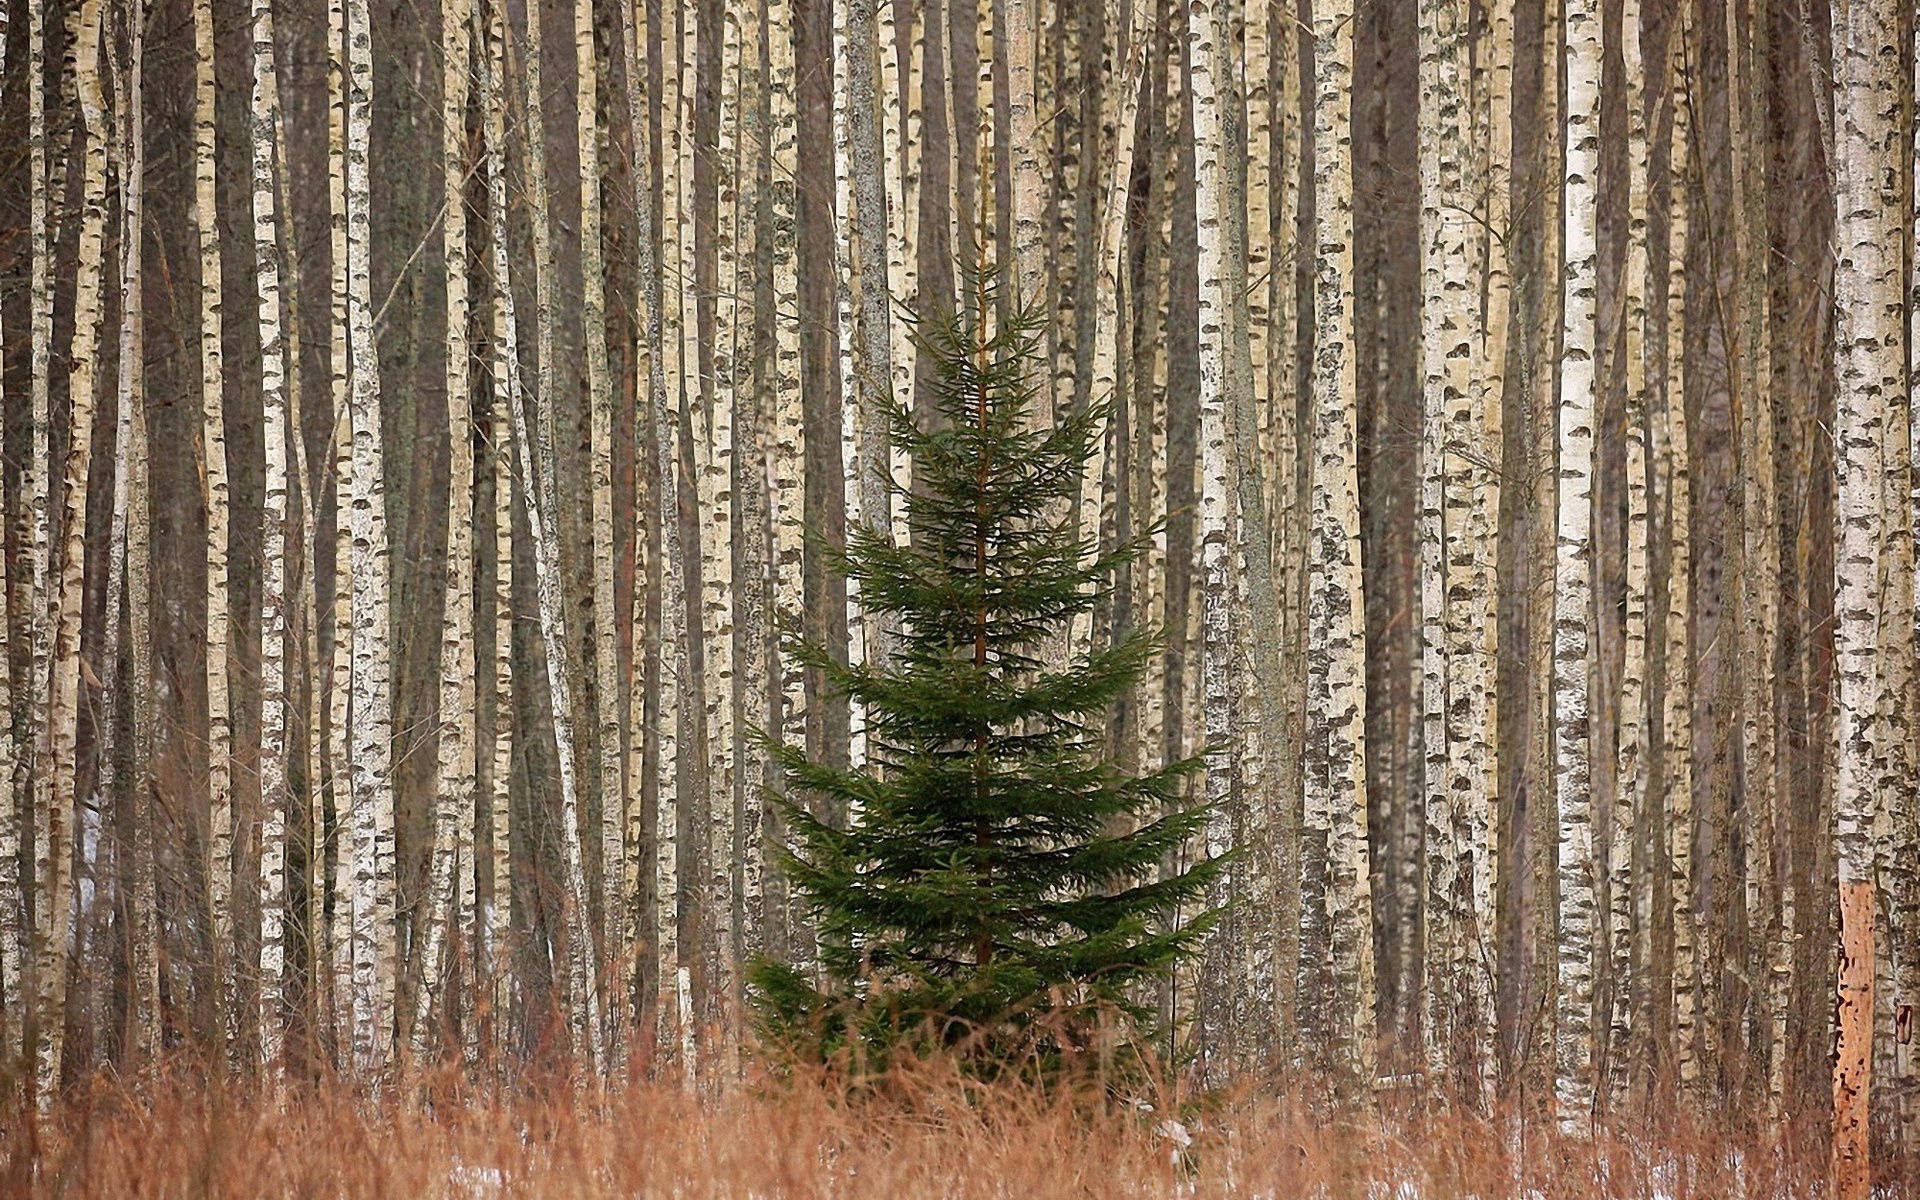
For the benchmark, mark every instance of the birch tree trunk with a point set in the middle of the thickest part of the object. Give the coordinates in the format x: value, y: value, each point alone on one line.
x: 14, y: 947
x: 1336, y: 782
x: 853, y: 444
x: 1760, y: 556
x: 274, y: 794
x: 453, y: 786
x: 1631, y: 776
x: 507, y: 400
x: 375, y: 951
x: 1676, y: 481
x: 53, y: 856
x: 214, y: 465
x: 712, y: 431
x: 1444, y: 396
x: 899, y: 133
x: 30, y: 771
x: 788, y: 450
x: 674, y: 1016
x: 873, y: 369
x: 1493, y: 135
x: 753, y: 373
x: 539, y: 482
x: 133, y: 542
x: 338, y: 850
x: 1870, y: 369
x: 1023, y: 146
x: 650, y: 390
x: 1573, y: 576
x: 1218, y: 652
x: 606, y: 642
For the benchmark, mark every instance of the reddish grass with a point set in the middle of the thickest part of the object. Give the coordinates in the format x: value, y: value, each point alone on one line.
x: 926, y: 1133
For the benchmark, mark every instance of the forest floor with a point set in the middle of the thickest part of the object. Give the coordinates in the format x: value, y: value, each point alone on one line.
x: 928, y: 1136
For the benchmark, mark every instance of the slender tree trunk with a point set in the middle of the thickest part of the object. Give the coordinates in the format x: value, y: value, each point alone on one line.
x: 54, y: 855
x: 873, y: 364
x: 453, y: 786
x: 340, y: 685
x: 853, y: 445
x: 14, y: 948
x: 1111, y: 255
x: 1870, y: 369
x: 1445, y: 350
x: 30, y: 771
x: 1023, y: 146
x: 1573, y: 576
x: 677, y: 786
x: 506, y: 400
x: 606, y: 640
x: 1631, y: 775
x: 1676, y: 481
x: 1336, y: 689
x: 788, y: 450
x: 899, y: 147
x: 1218, y: 652
x: 274, y: 794
x: 753, y: 375
x: 215, y: 476
x: 143, y: 999
x: 539, y: 480
x: 712, y: 429
x: 1493, y: 134
x: 132, y: 539
x: 651, y: 407
x: 1760, y: 556
x: 374, y: 930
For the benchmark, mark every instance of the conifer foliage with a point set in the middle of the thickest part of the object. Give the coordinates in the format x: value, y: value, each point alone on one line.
x: 990, y: 879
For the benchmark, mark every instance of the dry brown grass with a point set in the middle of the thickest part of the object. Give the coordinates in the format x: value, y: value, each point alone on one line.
x: 926, y: 1133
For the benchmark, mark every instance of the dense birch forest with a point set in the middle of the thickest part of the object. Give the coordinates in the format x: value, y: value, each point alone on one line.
x: 423, y: 424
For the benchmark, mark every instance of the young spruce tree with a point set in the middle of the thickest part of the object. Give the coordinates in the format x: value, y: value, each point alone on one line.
x: 995, y: 886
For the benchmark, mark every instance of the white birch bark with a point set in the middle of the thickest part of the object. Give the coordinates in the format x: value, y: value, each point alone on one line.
x: 1112, y: 260
x: 453, y: 785
x: 374, y: 934
x: 1573, y: 576
x: 274, y: 795
x: 1453, y: 578
x: 1218, y: 652
x: 713, y: 459
x: 789, y: 448
x: 673, y: 1016
x: 899, y: 148
x: 337, y: 853
x: 606, y: 652
x: 537, y: 455
x: 753, y: 372
x: 1493, y: 135
x: 1676, y: 480
x: 30, y: 778
x: 852, y: 444
x: 1024, y: 148
x: 1869, y: 365
x: 668, y: 643
x: 133, y: 540
x: 507, y: 399
x: 873, y: 363
x: 215, y: 498
x: 14, y: 948
x: 53, y: 856
x: 1336, y: 782
x: 1631, y: 775
x: 110, y: 784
